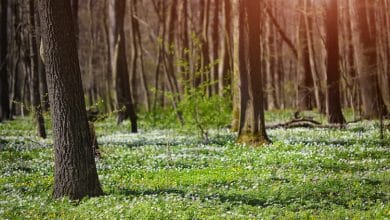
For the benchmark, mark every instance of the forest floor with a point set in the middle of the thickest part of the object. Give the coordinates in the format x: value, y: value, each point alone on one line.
x: 169, y: 174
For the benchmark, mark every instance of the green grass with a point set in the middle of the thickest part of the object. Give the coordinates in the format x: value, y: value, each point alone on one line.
x: 166, y: 174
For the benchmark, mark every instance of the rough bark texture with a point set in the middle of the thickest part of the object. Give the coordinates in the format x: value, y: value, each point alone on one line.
x: 5, y: 112
x: 334, y: 112
x: 75, y: 168
x: 116, y: 15
x: 252, y: 126
x: 373, y: 104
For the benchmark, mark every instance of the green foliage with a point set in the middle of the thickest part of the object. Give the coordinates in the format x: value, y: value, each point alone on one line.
x: 202, y: 112
x: 304, y: 174
x: 158, y: 118
x: 199, y: 109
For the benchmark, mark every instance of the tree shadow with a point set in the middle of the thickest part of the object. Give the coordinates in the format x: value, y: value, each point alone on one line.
x: 241, y: 199
x: 224, y: 198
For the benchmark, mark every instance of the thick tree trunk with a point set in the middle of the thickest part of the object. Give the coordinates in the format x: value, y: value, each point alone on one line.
x: 5, y: 112
x: 34, y: 73
x: 334, y: 112
x: 252, y: 127
x: 116, y: 14
x: 75, y: 168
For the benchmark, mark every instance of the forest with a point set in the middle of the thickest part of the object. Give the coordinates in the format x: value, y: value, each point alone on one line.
x: 194, y: 109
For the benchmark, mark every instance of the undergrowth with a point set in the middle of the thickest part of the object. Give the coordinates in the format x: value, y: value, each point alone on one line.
x: 164, y: 173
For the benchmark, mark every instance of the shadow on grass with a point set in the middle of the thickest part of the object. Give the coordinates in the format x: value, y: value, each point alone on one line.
x: 311, y: 200
x: 234, y: 198
x: 218, y: 140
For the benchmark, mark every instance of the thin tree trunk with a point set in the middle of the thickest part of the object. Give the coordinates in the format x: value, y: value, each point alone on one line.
x: 108, y: 74
x: 215, y: 43
x: 226, y: 65
x: 305, y: 78
x: 116, y: 14
x: 90, y: 74
x: 238, y: 48
x: 34, y: 74
x: 41, y: 68
x: 373, y: 104
x: 169, y: 61
x: 5, y: 112
x: 205, y: 55
x: 138, y: 45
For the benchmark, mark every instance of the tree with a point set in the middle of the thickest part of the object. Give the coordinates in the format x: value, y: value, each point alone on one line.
x: 34, y: 73
x: 138, y: 55
x: 5, y: 112
x: 305, y: 77
x: 75, y: 168
x: 334, y: 112
x: 226, y: 64
x: 252, y: 126
x: 373, y: 104
x: 116, y: 15
x: 215, y: 46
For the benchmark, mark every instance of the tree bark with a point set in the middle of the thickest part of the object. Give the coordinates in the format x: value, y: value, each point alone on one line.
x: 34, y: 73
x: 116, y: 14
x: 108, y: 64
x: 226, y: 65
x: 215, y: 45
x: 373, y: 104
x: 305, y: 78
x: 139, y: 54
x: 75, y: 168
x: 252, y: 126
x: 334, y: 112
x: 41, y: 68
x: 169, y: 61
x: 236, y: 64
x: 5, y: 112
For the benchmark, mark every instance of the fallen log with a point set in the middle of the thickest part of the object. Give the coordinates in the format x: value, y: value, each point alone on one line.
x: 303, y: 123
